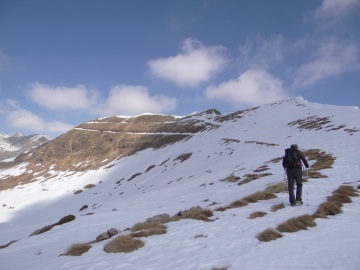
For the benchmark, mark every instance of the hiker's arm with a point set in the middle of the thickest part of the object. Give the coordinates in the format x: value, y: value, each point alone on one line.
x: 283, y: 163
x: 304, y: 160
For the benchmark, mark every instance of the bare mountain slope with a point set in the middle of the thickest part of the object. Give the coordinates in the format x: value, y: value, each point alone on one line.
x: 98, y: 142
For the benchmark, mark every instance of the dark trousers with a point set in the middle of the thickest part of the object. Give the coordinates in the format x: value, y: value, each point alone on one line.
x: 294, y: 175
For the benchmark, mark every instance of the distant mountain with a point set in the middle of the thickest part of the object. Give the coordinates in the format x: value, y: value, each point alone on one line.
x: 204, y: 191
x: 17, y: 143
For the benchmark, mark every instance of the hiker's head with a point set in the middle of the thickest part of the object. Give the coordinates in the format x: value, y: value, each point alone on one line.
x: 294, y: 146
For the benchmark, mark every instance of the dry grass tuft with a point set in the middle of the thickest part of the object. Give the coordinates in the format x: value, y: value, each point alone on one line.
x: 148, y: 233
x: 258, y: 196
x: 315, y: 174
x: 133, y: 176
x: 334, y: 202
x: 88, y: 186
x: 220, y: 268
x: 252, y: 176
x: 42, y: 230
x: 65, y: 219
x: 194, y: 213
x: 323, y: 161
x: 77, y: 249
x: 328, y: 209
x: 183, y: 157
x: 237, y: 204
x: 8, y: 244
x: 262, y: 168
x: 276, y: 188
x: 297, y: 224
x: 257, y: 214
x: 339, y: 198
x: 125, y: 243
x: 146, y: 229
x: 261, y: 195
x: 346, y: 191
x: 231, y: 179
x: 331, y: 207
x: 268, y: 235
x: 274, y: 208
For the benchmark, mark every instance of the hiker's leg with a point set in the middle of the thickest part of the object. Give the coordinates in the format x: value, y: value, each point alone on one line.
x: 290, y: 177
x: 298, y: 179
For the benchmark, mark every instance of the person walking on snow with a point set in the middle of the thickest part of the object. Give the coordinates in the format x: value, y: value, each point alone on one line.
x: 292, y: 164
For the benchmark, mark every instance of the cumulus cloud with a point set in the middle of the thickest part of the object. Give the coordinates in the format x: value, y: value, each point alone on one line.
x: 333, y: 10
x: 122, y: 99
x: 132, y: 100
x: 23, y: 119
x: 60, y: 98
x: 195, y: 63
x: 332, y: 58
x: 254, y: 87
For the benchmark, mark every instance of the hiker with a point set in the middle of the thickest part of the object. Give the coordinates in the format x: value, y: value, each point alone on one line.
x: 292, y: 165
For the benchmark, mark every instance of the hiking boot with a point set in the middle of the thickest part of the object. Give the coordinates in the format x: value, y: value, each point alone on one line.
x: 298, y: 202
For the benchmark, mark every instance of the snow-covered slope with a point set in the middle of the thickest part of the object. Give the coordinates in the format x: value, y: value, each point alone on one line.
x: 192, y: 173
x: 17, y: 143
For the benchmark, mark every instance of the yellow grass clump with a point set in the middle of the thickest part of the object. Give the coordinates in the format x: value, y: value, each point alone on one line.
x: 123, y: 244
x: 77, y: 249
x: 297, y: 224
x: 268, y: 235
x: 146, y: 229
x: 194, y: 213
x: 276, y: 207
x: 257, y: 214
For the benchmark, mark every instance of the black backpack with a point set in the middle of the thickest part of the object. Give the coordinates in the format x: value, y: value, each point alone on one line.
x: 292, y: 158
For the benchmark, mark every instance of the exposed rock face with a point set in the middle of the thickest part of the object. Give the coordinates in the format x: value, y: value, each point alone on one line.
x: 111, y: 232
x: 103, y: 236
x: 98, y: 142
x: 106, y: 235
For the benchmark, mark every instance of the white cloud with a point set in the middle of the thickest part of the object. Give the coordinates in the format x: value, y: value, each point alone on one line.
x: 132, y: 100
x: 12, y: 103
x: 59, y: 98
x: 332, y: 58
x: 254, y: 87
x: 331, y: 10
x: 261, y: 52
x: 195, y: 63
x: 4, y: 60
x: 23, y: 119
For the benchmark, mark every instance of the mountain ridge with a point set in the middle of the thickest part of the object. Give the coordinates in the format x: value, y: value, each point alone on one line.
x: 14, y: 144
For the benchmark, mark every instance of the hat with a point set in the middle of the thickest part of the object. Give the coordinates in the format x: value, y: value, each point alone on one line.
x: 294, y: 146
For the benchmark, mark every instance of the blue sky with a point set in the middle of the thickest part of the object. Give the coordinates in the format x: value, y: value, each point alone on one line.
x: 66, y: 62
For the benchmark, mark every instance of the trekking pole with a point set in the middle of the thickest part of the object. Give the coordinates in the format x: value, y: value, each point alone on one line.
x: 283, y: 193
x: 307, y: 188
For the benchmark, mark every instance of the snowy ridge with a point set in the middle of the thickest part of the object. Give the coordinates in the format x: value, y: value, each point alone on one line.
x: 16, y: 143
x: 191, y: 173
x: 5, y: 145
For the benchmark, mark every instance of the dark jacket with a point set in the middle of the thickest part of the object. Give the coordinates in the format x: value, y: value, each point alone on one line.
x: 301, y: 156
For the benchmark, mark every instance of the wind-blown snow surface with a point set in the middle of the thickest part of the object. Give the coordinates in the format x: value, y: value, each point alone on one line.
x: 229, y: 242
